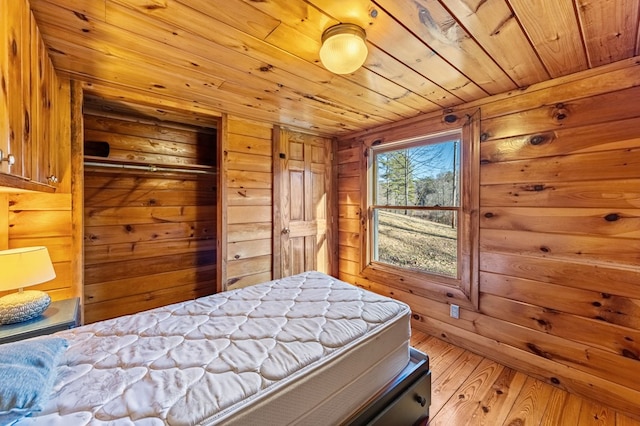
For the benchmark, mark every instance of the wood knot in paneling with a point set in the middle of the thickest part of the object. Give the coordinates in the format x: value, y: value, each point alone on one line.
x: 450, y: 118
x: 538, y: 351
x: 612, y: 217
x: 155, y: 5
x: 539, y: 139
x: 81, y: 16
x: 27, y: 124
x: 535, y: 188
x: 543, y: 323
x: 560, y: 112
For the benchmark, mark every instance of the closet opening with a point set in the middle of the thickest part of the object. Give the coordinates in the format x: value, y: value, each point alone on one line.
x: 150, y: 207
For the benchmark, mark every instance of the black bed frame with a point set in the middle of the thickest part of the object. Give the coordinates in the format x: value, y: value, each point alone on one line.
x: 405, y: 401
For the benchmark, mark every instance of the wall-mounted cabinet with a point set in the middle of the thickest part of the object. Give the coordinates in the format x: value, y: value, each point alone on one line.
x: 30, y: 127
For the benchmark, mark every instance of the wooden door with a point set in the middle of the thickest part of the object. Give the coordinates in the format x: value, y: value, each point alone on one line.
x: 303, y: 201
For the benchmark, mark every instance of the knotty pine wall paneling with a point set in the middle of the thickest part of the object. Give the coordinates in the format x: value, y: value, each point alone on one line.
x: 35, y: 118
x: 34, y: 218
x: 248, y: 180
x: 251, y: 201
x: 31, y: 102
x: 41, y: 219
x: 559, y: 236
x: 149, y: 236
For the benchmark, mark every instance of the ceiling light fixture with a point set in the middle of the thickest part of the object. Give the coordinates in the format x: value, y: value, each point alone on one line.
x: 343, y: 48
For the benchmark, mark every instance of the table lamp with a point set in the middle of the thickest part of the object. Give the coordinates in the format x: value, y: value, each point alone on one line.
x: 19, y: 268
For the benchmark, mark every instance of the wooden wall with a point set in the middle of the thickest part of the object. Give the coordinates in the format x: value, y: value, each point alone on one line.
x: 149, y: 237
x: 247, y: 179
x: 29, y: 218
x: 559, y: 236
x: 250, y: 200
x: 35, y: 121
x: 40, y: 219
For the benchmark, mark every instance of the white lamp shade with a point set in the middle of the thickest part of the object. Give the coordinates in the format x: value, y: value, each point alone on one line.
x: 343, y: 48
x: 24, y: 267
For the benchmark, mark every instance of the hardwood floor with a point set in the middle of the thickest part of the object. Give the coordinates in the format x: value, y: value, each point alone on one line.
x: 468, y: 389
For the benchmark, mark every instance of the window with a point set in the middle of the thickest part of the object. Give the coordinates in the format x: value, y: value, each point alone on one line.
x: 416, y: 204
x: 421, y: 229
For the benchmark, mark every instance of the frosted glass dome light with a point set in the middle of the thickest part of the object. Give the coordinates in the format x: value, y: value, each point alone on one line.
x: 343, y: 48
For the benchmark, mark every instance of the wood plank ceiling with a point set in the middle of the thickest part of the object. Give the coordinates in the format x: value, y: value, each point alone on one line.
x: 259, y: 58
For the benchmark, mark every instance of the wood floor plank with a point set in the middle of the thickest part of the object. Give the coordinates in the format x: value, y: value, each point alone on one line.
x: 444, y: 357
x: 468, y: 389
x: 553, y: 415
x: 441, y: 354
x: 496, y: 405
x: 445, y: 385
x: 459, y: 408
x: 530, y: 404
x: 421, y: 341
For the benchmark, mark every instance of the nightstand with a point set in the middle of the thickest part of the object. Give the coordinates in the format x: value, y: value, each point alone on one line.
x: 60, y: 315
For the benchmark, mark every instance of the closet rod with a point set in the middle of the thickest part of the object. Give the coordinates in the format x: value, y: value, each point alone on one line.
x: 149, y: 168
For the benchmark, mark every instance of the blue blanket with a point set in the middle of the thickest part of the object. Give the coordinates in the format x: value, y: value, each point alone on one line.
x: 27, y: 373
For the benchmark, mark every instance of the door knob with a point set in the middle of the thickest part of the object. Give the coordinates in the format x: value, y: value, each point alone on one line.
x: 285, y: 231
x: 10, y: 159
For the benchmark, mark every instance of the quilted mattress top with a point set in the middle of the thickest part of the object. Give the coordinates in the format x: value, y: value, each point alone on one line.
x: 195, y: 362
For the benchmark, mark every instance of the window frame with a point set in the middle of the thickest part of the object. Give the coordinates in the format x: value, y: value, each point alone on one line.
x: 462, y: 290
x: 406, y: 144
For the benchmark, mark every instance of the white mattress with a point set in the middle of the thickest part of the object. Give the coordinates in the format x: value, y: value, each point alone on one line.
x: 307, y: 349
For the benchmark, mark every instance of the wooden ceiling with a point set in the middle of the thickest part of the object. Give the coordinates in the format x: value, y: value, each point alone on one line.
x: 259, y: 58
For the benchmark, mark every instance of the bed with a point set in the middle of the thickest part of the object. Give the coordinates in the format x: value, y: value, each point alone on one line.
x: 307, y: 349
